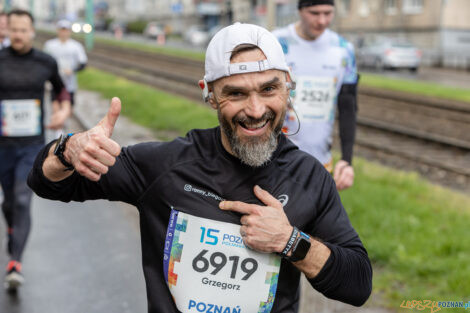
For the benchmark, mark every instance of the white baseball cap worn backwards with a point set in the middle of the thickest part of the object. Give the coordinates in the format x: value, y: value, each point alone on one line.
x: 64, y: 24
x: 227, y: 39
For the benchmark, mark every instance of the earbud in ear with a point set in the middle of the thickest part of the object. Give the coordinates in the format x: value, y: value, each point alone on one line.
x: 205, y: 90
x: 289, y: 103
x: 288, y: 85
x: 202, y: 84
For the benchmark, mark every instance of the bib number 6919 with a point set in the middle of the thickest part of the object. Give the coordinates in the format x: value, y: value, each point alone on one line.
x: 218, y: 260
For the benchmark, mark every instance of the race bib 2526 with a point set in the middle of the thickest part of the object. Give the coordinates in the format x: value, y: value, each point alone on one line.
x: 315, y: 98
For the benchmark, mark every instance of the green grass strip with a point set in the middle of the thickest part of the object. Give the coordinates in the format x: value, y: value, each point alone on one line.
x: 417, y: 234
x: 415, y: 87
x: 149, y: 107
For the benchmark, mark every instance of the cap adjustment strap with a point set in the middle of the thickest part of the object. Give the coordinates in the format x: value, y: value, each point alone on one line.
x: 248, y: 67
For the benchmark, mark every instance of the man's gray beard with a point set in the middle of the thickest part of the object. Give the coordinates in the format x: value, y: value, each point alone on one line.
x: 253, y: 151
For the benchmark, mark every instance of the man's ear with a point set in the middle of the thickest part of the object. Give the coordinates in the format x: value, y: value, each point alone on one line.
x: 212, y: 101
x: 207, y: 94
x: 290, y: 81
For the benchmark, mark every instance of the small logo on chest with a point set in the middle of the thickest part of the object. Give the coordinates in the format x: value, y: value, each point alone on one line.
x: 283, y: 199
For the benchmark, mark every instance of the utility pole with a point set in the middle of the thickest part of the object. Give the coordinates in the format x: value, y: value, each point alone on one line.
x: 89, y: 38
x: 271, y: 14
x: 31, y: 7
x: 52, y: 10
x: 7, y: 6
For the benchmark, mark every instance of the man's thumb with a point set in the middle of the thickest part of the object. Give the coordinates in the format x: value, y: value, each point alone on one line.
x: 111, y: 117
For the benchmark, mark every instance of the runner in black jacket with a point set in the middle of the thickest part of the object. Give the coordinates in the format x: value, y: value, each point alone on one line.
x: 23, y: 73
x: 194, y: 192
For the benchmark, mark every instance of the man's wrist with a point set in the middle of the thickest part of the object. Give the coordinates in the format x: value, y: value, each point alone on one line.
x: 60, y: 149
x: 342, y: 164
x: 297, y: 246
x: 52, y: 168
x: 51, y: 157
x: 300, y: 248
x: 287, y: 245
x: 348, y: 163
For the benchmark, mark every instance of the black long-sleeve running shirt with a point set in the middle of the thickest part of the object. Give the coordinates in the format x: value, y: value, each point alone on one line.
x: 347, y: 110
x: 193, y: 174
x: 22, y: 77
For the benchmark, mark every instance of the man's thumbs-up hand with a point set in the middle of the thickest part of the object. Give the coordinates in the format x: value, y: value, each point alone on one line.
x: 108, y: 122
x: 92, y: 152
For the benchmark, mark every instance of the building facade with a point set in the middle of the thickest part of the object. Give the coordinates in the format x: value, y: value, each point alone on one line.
x: 440, y: 28
x: 178, y: 14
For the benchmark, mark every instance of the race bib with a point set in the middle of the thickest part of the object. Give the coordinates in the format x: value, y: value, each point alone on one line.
x: 209, y: 269
x: 315, y: 98
x: 20, y: 118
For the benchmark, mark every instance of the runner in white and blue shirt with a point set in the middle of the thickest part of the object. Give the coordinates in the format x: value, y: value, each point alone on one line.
x: 69, y: 54
x: 324, y: 67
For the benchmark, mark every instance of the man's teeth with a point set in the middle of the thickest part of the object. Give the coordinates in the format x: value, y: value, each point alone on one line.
x: 255, y: 126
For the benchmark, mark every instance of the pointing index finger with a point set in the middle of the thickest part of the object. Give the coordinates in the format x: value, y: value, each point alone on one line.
x: 267, y: 198
x: 236, y: 206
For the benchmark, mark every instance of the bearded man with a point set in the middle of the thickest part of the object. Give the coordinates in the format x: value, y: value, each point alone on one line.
x: 230, y: 217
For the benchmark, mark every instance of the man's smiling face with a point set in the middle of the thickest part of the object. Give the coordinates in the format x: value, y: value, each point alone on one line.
x: 251, y: 108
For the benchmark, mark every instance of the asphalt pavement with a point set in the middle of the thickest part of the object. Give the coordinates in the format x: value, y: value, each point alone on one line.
x: 81, y: 257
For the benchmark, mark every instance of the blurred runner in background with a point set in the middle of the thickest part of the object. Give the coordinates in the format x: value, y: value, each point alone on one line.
x: 23, y: 72
x: 69, y: 54
x: 324, y: 68
x: 4, y: 40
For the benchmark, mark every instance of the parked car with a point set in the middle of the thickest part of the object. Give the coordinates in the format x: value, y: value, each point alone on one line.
x: 214, y: 30
x: 100, y: 24
x: 389, y: 54
x: 196, y: 35
x: 153, y: 30
x: 118, y: 26
x: 199, y: 36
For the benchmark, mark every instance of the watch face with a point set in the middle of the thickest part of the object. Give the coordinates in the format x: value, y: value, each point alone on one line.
x: 301, y: 248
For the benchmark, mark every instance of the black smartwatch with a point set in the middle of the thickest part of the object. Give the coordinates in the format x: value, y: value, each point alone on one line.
x: 300, y: 248
x: 59, y: 151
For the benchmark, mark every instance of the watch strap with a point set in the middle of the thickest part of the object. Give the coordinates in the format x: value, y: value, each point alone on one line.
x: 300, y: 247
x: 59, y: 151
x: 290, y: 242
